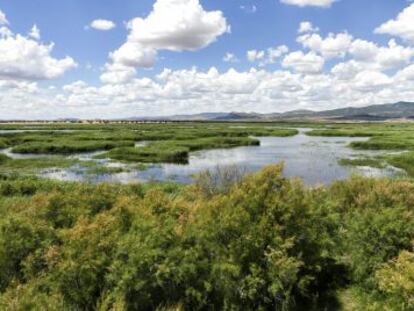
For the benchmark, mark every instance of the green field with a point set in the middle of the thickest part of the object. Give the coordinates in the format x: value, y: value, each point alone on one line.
x: 229, y: 241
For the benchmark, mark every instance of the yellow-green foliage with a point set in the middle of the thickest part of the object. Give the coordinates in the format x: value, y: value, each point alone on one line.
x: 396, y: 278
x: 263, y: 242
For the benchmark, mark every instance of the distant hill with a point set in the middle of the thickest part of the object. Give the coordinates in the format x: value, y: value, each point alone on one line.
x: 208, y: 116
x: 400, y: 110
x: 397, y: 110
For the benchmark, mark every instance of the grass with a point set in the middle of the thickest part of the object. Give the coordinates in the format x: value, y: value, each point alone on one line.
x: 4, y: 143
x: 96, y: 168
x: 371, y: 162
x: 156, y: 153
x: 404, y: 161
x: 176, y: 151
x: 33, y: 165
x: 3, y: 158
x: 214, y: 143
x: 68, y: 146
x: 381, y: 136
x: 30, y: 165
x: 104, y: 170
x: 383, y: 143
x: 340, y: 133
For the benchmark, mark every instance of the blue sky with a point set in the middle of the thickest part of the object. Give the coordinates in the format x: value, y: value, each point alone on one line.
x: 80, y: 76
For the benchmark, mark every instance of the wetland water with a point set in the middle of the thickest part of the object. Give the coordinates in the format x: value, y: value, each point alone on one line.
x: 314, y: 159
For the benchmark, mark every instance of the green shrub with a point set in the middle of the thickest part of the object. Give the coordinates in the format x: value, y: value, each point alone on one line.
x: 228, y: 242
x: 396, y: 279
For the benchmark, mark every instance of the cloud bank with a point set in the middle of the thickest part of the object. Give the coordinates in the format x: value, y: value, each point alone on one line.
x: 324, y: 71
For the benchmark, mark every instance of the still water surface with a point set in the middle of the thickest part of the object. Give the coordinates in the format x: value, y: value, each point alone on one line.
x: 314, y: 159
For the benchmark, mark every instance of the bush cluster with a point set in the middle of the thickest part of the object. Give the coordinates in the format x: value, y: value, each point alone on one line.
x: 262, y: 242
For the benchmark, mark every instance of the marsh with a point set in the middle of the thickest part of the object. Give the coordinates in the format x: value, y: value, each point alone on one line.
x: 311, y: 158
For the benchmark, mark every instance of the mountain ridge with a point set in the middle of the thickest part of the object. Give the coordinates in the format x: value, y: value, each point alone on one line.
x: 378, y: 112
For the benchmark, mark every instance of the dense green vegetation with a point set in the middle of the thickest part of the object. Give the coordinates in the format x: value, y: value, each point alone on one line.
x: 226, y: 242
x: 262, y: 242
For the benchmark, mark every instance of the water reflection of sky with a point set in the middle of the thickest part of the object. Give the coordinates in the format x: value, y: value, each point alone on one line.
x: 314, y: 159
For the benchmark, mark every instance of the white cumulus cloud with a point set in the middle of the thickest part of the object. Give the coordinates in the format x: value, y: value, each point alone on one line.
x: 174, y: 25
x: 23, y: 58
x: 268, y: 56
x: 368, y: 81
x: 334, y: 45
x: 35, y: 32
x: 134, y: 55
x: 407, y: 73
x: 230, y: 58
x: 195, y: 91
x: 102, y: 24
x: 117, y: 74
x: 402, y: 26
x: 309, y: 63
x: 255, y: 55
x: 370, y: 55
x: 305, y: 27
x: 3, y: 18
x: 177, y: 25
x: 358, y: 72
x: 303, y: 3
